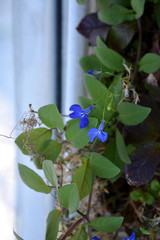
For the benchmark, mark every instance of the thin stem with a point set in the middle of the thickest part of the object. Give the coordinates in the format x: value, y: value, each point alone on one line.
x: 153, y: 234
x: 138, y: 50
x: 87, y: 214
x: 70, y: 230
x: 83, y: 215
x: 1, y: 135
x: 89, y: 203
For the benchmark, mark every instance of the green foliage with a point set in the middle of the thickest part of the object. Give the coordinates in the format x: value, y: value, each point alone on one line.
x: 121, y: 35
x: 32, y: 179
x: 106, y: 224
x: 149, y: 63
x: 113, y: 94
x: 149, y: 197
x: 145, y: 232
x: 121, y: 147
x: 103, y: 3
x: 115, y: 14
x: 96, y: 89
x: 80, y: 234
x: 50, y: 116
x: 68, y: 197
x: 154, y: 185
x: 138, y: 7
x: 132, y: 114
x: 116, y: 90
x: 137, y: 195
x: 52, y: 150
x: 83, y: 179
x: 101, y: 166
x: 81, y: 1
x: 78, y: 136
x: 157, y: 15
x: 110, y: 58
x: 53, y: 224
x: 92, y: 63
x: 50, y: 173
x: 100, y: 43
x: 33, y: 141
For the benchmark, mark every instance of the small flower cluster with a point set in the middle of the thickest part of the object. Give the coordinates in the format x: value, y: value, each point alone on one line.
x: 78, y: 112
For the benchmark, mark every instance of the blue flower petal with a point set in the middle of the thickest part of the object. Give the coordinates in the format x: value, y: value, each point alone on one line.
x: 102, y: 136
x: 101, y: 126
x: 87, y: 110
x: 75, y: 108
x: 83, y: 122
x: 75, y: 115
x: 95, y: 238
x: 92, y: 137
x: 132, y: 237
x: 90, y: 72
x: 92, y: 131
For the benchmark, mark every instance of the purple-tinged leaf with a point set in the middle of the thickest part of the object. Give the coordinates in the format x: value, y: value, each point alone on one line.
x: 91, y: 27
x: 144, y: 162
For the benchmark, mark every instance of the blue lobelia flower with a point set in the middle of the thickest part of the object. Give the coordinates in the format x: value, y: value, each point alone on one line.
x: 90, y: 72
x: 95, y: 238
x: 94, y: 132
x: 78, y: 112
x: 132, y: 237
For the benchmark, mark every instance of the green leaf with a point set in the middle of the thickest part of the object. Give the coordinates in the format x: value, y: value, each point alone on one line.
x: 154, y: 185
x: 112, y: 154
x: 106, y: 224
x: 100, y: 95
x: 157, y: 15
x: 149, y: 198
x: 132, y: 114
x: 145, y: 232
x: 96, y: 112
x: 96, y: 89
x: 80, y: 234
x: 110, y: 58
x: 31, y: 142
x: 32, y: 179
x: 17, y: 236
x: 121, y: 147
x: 50, y: 173
x: 81, y: 1
x: 83, y: 179
x: 101, y: 166
x: 51, y: 117
x: 53, y: 224
x: 120, y: 35
x: 52, y: 150
x: 116, y: 90
x: 138, y: 7
x: 136, y: 195
x: 68, y: 197
x: 92, y: 63
x: 123, y: 3
x: 100, y: 43
x: 115, y: 14
x: 78, y: 136
x: 103, y: 3
x: 149, y: 63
